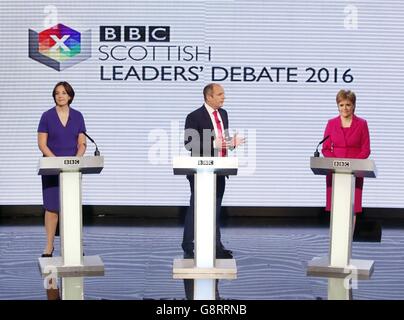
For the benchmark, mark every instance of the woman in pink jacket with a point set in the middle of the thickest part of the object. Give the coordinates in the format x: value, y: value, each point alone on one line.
x: 349, y: 138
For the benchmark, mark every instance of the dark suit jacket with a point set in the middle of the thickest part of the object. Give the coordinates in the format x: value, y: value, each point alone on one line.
x: 200, y: 134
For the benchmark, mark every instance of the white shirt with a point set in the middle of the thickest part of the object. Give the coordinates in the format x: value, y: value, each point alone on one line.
x: 212, y: 118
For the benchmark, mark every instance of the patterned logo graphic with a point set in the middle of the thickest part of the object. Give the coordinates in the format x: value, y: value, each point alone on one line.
x: 60, y: 46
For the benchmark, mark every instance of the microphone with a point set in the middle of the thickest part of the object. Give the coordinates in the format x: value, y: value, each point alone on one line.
x: 96, y: 152
x: 316, y: 153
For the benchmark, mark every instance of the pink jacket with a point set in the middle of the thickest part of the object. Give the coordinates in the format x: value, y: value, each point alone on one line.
x: 355, y: 145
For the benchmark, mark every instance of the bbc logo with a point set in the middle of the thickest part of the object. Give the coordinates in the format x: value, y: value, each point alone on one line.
x: 71, y: 161
x: 135, y: 33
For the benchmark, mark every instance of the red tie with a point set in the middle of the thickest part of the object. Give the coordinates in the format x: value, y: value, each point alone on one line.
x: 222, y: 151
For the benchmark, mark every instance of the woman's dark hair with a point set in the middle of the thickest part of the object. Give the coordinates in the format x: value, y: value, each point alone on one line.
x: 68, y: 88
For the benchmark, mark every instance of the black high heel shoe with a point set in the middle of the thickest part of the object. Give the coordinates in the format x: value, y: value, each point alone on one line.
x: 48, y: 255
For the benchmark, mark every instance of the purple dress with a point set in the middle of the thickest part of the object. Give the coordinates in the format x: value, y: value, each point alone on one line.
x: 62, y: 141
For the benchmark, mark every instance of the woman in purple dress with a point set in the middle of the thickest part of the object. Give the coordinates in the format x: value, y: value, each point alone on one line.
x: 60, y: 133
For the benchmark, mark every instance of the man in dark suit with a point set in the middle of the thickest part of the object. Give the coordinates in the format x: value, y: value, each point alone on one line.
x: 206, y: 135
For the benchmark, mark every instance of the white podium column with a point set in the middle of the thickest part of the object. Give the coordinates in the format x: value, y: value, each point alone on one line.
x: 205, y: 232
x: 205, y: 269
x: 341, y: 219
x: 339, y: 289
x: 71, y: 218
x: 73, y: 288
x: 205, y: 219
x: 70, y: 170
x: 204, y: 289
x: 345, y: 171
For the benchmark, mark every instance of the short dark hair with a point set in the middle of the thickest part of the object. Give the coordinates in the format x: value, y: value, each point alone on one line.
x: 208, y: 89
x: 346, y: 95
x: 68, y: 88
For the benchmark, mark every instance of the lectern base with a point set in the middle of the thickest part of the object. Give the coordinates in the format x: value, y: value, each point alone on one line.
x: 185, y: 269
x: 319, y: 266
x: 92, y: 266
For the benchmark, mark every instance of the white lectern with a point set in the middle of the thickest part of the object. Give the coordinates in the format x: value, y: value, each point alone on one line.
x: 344, y: 172
x: 205, y: 268
x: 72, y: 263
x: 340, y: 288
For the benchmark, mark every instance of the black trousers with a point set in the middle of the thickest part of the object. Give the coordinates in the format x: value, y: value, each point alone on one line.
x: 188, y: 238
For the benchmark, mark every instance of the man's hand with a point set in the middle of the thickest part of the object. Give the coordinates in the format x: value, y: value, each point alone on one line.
x: 237, y: 140
x: 220, y: 144
x: 230, y: 144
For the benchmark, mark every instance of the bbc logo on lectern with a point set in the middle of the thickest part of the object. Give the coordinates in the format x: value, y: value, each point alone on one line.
x: 135, y: 33
x: 71, y: 161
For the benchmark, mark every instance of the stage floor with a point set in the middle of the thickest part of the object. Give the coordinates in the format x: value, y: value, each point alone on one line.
x: 138, y: 260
